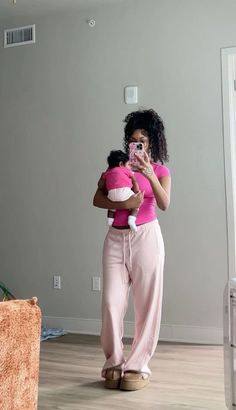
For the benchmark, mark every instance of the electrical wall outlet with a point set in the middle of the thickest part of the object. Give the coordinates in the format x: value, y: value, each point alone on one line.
x: 56, y: 282
x: 96, y: 285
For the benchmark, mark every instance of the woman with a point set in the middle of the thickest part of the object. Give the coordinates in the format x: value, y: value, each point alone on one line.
x: 135, y: 259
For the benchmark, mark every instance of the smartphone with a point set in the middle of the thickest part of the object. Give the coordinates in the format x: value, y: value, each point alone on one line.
x: 135, y: 148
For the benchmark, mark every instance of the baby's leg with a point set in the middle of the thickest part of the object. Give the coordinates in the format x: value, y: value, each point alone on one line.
x: 132, y: 219
x: 110, y: 216
x: 122, y: 194
x: 134, y: 212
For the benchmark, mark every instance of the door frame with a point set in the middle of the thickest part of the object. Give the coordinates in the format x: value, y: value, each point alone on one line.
x: 228, y: 59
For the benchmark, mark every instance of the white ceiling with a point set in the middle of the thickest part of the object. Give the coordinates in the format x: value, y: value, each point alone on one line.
x: 44, y: 7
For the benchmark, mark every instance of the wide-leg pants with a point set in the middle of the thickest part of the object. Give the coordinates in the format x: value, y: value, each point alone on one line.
x: 136, y: 260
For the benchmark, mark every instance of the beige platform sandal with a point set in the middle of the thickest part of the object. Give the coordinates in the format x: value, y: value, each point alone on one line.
x: 112, y: 378
x: 134, y: 381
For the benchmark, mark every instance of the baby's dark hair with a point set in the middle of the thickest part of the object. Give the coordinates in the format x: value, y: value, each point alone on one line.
x: 151, y: 125
x: 117, y: 156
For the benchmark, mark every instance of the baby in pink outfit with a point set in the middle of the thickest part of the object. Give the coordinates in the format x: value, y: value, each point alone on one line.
x: 120, y: 184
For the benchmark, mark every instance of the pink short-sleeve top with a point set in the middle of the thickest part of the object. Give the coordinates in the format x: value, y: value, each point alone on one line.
x: 147, y: 211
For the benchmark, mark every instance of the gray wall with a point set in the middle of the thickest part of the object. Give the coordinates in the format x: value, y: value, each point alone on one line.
x: 61, y: 111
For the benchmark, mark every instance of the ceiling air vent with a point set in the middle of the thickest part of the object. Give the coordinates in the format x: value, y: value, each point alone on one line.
x: 19, y: 36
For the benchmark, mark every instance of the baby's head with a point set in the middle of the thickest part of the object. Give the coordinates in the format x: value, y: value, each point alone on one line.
x: 118, y: 158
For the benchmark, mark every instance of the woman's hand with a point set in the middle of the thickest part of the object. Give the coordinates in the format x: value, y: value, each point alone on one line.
x: 145, y: 166
x: 134, y: 201
x: 135, y: 186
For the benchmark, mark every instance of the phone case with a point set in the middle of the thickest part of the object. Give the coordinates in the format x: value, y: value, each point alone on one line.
x: 135, y: 147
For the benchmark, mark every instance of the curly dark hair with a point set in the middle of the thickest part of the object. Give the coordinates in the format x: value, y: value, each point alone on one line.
x: 117, y: 156
x: 151, y: 125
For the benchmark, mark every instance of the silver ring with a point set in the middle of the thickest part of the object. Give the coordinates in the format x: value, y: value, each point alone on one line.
x: 147, y: 171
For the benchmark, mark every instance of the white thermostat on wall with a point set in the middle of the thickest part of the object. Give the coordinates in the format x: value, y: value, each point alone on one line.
x: 131, y: 95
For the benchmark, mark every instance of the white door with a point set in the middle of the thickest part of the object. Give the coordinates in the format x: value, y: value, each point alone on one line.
x: 228, y: 59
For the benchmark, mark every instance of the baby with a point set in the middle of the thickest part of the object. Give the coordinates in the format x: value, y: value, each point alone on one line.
x: 120, y: 183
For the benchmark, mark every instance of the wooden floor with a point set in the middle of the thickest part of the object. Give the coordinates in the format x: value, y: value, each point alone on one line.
x: 184, y: 377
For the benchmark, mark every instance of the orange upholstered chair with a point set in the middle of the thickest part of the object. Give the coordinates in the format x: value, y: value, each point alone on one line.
x: 20, y: 329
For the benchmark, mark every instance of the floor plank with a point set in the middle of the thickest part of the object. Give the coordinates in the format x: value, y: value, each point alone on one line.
x: 184, y: 377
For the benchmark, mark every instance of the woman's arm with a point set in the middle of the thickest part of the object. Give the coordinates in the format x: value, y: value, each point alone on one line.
x: 161, y: 187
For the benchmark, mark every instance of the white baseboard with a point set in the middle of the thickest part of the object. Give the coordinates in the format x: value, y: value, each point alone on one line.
x: 170, y: 333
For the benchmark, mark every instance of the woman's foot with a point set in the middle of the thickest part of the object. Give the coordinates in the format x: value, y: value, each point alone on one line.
x: 112, y: 378
x: 134, y: 381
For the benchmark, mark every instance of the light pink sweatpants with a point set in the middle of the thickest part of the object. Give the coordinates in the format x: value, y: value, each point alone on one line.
x: 135, y: 259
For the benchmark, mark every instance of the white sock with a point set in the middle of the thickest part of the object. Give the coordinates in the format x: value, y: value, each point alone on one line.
x: 131, y: 223
x: 110, y: 221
